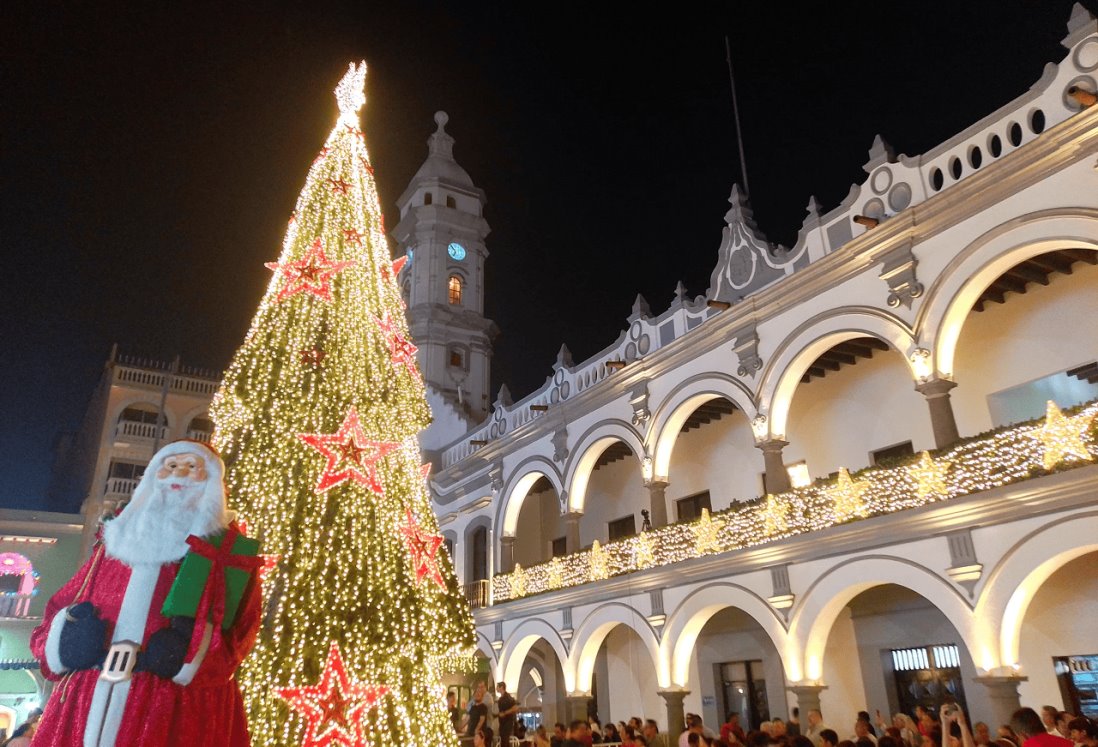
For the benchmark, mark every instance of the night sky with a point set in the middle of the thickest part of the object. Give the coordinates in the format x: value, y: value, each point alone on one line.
x: 150, y: 157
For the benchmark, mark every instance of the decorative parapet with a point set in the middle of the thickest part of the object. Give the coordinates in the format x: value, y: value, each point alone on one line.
x: 1009, y: 455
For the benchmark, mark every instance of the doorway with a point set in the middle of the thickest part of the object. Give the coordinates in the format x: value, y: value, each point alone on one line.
x: 743, y: 687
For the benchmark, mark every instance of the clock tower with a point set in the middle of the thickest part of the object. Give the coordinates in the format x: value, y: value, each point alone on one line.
x: 442, y: 231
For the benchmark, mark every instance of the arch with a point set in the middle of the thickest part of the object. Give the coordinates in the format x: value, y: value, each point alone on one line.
x: 14, y: 564
x: 1018, y: 575
x: 681, y: 402
x: 518, y: 644
x: 686, y: 623
x: 812, y: 338
x: 517, y: 487
x: 455, y: 288
x: 817, y: 610
x: 153, y: 406
x: 952, y: 294
x: 589, y: 637
x: 588, y: 449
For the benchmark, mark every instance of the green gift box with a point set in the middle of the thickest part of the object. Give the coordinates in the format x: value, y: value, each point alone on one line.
x: 186, y: 591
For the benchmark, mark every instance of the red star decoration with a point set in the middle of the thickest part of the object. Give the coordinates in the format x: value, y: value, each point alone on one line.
x: 322, y: 154
x: 354, y: 130
x: 423, y: 547
x: 351, y: 236
x: 381, y: 220
x: 366, y: 165
x: 312, y: 273
x: 312, y: 357
x: 293, y: 218
x: 398, y: 264
x: 339, y: 186
x: 425, y: 470
x: 401, y: 349
x: 333, y: 708
x: 351, y: 456
x: 270, y: 564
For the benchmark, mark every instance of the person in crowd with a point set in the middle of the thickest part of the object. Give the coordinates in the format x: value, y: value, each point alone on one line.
x: 828, y: 738
x: 578, y: 734
x: 652, y: 734
x: 1063, y: 718
x: 1032, y: 731
x: 1048, y: 718
x: 815, y: 726
x: 610, y: 732
x: 924, y: 721
x: 22, y: 736
x: 506, y: 712
x: 483, y: 737
x: 778, y: 730
x: 887, y: 740
x: 541, y: 737
x: 864, y: 716
x: 793, y: 726
x: 981, y: 734
x: 845, y: 743
x: 640, y: 741
x: 863, y: 730
x: 731, y: 731
x: 696, y: 739
x: 453, y: 710
x: 1005, y: 732
x: 863, y: 742
x: 765, y: 727
x: 584, y: 734
x: 595, y: 731
x: 800, y: 741
x: 1083, y: 732
x: 628, y: 736
x: 637, y: 723
x: 694, y: 725
x: 478, y: 712
x: 560, y: 733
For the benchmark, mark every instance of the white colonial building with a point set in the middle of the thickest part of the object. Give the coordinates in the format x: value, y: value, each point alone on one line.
x: 938, y: 309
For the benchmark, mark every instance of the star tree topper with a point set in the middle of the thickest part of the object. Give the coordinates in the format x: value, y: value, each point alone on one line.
x: 423, y: 549
x: 312, y: 273
x: 351, y: 456
x: 333, y: 708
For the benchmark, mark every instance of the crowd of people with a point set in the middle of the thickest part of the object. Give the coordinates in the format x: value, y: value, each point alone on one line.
x: 948, y: 727
x: 24, y: 733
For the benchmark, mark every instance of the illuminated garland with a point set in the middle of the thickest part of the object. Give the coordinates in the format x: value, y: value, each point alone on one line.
x: 317, y: 419
x: 1008, y: 456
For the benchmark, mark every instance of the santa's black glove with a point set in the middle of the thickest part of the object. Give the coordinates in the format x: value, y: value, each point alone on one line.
x: 83, y: 638
x: 167, y: 648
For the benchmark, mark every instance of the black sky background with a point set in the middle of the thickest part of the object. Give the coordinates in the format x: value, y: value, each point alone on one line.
x: 151, y: 154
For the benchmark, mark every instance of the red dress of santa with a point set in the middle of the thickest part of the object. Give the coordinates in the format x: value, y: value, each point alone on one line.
x: 200, y: 707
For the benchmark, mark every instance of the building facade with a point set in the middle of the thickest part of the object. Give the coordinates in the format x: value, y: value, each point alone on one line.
x: 834, y: 479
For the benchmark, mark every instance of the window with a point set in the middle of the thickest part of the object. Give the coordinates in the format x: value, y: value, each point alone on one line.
x: 928, y: 676
x: 479, y: 554
x: 457, y: 358
x: 127, y: 470
x: 428, y: 198
x: 560, y: 547
x: 455, y: 290
x: 449, y: 543
x: 621, y: 528
x: 451, y: 202
x: 798, y: 474
x: 138, y: 415
x: 898, y: 451
x: 1078, y: 678
x: 690, y: 507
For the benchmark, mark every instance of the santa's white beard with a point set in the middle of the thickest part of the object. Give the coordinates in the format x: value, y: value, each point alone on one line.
x: 155, y: 529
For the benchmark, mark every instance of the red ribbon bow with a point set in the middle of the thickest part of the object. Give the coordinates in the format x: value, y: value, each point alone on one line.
x: 213, y: 596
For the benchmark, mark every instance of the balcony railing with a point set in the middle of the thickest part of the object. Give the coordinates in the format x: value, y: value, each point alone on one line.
x: 198, y: 385
x: 139, y: 431
x: 1008, y: 455
x: 478, y: 594
x: 201, y: 436
x: 15, y: 605
x: 121, y: 486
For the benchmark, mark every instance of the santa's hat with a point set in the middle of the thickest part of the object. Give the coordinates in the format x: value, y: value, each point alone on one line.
x: 210, y: 517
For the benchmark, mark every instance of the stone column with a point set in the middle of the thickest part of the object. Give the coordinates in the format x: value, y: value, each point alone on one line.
x: 676, y: 718
x: 577, y: 706
x: 777, y: 477
x: 942, y: 421
x: 657, y: 501
x: 808, y: 697
x: 572, y: 531
x: 506, y: 554
x: 1004, y: 697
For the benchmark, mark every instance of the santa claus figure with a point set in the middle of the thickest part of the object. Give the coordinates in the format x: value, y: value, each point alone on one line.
x: 126, y: 675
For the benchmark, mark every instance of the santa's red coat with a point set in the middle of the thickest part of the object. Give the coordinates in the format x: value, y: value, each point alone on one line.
x: 208, y: 712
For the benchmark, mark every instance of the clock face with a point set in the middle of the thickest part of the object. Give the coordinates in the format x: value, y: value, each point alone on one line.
x: 456, y: 251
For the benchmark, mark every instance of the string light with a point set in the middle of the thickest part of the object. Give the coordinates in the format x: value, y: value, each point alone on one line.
x: 1007, y: 456
x: 344, y: 575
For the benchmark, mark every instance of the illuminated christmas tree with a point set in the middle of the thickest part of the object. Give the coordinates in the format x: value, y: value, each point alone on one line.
x: 317, y: 420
